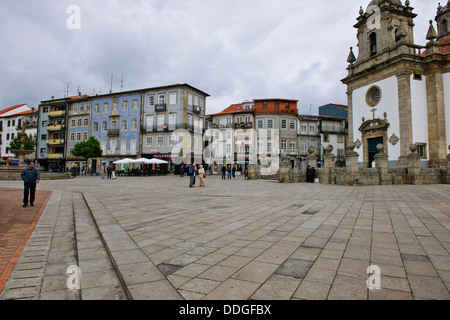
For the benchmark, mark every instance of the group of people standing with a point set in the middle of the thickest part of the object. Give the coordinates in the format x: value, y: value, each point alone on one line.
x: 192, y: 171
x: 230, y: 171
x: 110, y: 172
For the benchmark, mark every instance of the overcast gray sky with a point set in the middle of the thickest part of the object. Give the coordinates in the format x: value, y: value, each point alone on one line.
x: 235, y: 50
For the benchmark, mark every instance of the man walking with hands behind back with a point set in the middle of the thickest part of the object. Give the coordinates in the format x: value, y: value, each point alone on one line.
x: 30, y: 177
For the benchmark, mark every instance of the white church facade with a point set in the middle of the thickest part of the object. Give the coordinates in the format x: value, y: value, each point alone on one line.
x: 399, y: 92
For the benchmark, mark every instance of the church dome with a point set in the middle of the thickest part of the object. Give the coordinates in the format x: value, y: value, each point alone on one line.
x: 377, y: 2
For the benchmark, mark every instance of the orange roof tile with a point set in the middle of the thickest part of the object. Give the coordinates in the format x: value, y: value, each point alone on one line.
x: 234, y: 108
x: 442, y: 49
x: 11, y: 108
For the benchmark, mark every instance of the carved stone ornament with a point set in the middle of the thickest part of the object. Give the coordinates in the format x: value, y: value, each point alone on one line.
x: 394, y: 139
x: 358, y: 144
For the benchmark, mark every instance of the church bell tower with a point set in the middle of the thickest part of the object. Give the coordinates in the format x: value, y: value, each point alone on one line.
x: 396, y: 88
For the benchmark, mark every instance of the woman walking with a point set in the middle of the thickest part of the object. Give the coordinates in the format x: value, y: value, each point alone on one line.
x: 202, y: 175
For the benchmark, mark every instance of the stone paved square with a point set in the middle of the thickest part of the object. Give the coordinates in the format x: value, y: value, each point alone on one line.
x: 254, y: 239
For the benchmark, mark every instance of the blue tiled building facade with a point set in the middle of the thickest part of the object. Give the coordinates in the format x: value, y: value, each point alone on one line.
x: 135, y: 124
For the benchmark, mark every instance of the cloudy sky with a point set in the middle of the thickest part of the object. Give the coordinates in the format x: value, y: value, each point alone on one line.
x: 235, y: 50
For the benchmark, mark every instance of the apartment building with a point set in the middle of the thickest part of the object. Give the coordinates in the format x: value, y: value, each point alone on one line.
x: 12, y: 120
x: 261, y: 127
x: 173, y: 123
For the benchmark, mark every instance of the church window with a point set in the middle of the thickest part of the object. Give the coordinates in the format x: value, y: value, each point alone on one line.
x: 373, y: 96
x: 397, y: 37
x: 445, y: 25
x: 422, y: 150
x: 373, y: 43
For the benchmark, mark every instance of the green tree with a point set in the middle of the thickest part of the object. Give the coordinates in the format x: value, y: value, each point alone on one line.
x: 29, y: 143
x: 88, y: 149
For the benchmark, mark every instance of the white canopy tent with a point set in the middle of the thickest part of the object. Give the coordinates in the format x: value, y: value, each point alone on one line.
x: 123, y: 161
x: 158, y: 161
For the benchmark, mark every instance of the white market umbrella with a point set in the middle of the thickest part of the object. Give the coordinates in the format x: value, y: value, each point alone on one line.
x: 141, y: 160
x: 123, y: 161
x: 158, y: 161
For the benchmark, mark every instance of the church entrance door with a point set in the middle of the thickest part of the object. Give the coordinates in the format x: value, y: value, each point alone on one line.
x: 373, y: 148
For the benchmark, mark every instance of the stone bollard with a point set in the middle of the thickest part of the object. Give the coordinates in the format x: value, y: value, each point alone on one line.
x: 311, y: 160
x: 351, y: 165
x: 382, y: 164
x: 329, y: 164
x: 413, y: 176
x: 253, y: 172
x: 285, y: 169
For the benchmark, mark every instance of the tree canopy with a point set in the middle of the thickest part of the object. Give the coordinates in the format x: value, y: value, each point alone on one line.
x: 29, y: 144
x: 88, y: 149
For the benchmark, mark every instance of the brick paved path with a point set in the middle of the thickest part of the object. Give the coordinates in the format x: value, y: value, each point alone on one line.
x: 16, y: 225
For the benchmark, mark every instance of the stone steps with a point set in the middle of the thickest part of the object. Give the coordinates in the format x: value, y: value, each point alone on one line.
x: 140, y: 278
x: 99, y: 279
x: 64, y: 243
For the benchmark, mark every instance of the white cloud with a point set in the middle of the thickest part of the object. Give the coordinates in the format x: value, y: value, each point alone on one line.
x: 234, y: 50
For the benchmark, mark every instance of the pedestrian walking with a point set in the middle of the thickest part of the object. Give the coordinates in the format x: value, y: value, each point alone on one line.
x: 233, y: 172
x: 229, y: 172
x: 312, y: 174
x: 114, y: 172
x: 181, y: 171
x: 109, y: 171
x: 224, y: 170
x: 202, y: 175
x: 30, y: 177
x: 191, y: 173
x: 103, y: 171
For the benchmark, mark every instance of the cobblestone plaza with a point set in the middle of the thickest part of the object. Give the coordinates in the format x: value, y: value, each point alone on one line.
x: 156, y: 238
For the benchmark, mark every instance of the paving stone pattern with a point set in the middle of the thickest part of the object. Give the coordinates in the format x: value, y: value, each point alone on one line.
x: 155, y: 238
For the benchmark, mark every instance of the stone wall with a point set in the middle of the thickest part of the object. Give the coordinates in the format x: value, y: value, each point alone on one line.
x: 352, y: 175
x: 13, y: 173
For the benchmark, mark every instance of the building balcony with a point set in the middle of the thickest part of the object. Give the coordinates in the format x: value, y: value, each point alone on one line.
x: 197, y: 109
x: 113, y: 132
x: 148, y: 129
x: 80, y: 112
x: 55, y: 156
x: 243, y: 125
x: 54, y: 114
x: 56, y: 127
x: 114, y: 114
x: 332, y: 129
x: 54, y: 142
x: 160, y: 107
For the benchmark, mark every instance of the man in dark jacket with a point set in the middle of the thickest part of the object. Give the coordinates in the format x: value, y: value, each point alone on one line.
x: 224, y: 171
x: 190, y: 170
x: 30, y: 177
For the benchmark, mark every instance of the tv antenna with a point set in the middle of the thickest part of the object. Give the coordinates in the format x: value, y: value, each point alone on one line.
x: 66, y: 94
